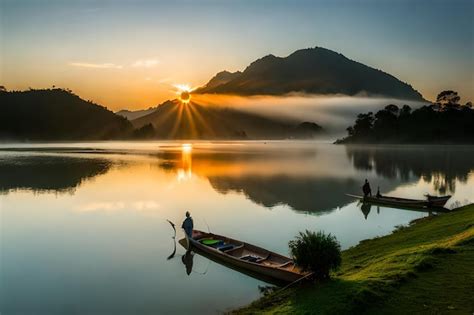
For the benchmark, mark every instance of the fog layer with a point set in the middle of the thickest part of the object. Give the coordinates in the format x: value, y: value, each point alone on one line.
x: 333, y: 113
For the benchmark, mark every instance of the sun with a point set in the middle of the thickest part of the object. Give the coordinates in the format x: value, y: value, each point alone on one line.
x: 185, y: 96
x: 186, y: 147
x: 184, y: 92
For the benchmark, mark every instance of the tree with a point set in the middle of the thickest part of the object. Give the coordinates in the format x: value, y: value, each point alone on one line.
x: 451, y: 123
x: 3, y: 88
x: 448, y: 98
x: 316, y: 252
x: 392, y: 109
x: 364, y: 124
x: 405, y: 111
x: 145, y: 132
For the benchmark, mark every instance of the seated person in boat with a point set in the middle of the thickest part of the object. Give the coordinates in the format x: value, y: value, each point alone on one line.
x: 378, y: 193
x: 188, y: 225
x: 366, y: 189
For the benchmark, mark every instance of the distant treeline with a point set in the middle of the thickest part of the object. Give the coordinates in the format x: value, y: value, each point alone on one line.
x: 57, y: 114
x: 60, y: 115
x: 445, y: 121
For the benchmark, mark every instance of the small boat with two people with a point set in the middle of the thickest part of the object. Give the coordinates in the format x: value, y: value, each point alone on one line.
x: 431, y: 202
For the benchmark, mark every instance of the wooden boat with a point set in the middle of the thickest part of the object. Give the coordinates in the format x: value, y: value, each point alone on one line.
x: 253, y: 274
x: 429, y: 202
x: 246, y: 256
x: 436, y: 201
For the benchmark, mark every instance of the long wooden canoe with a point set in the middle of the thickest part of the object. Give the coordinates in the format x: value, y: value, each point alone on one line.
x: 251, y: 258
x: 430, y: 202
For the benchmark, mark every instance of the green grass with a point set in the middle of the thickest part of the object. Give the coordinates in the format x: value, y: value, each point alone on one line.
x: 426, y: 268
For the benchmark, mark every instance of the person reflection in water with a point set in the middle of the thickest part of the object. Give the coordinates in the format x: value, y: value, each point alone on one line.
x: 366, y: 189
x: 365, y: 208
x: 188, y: 225
x: 187, y: 260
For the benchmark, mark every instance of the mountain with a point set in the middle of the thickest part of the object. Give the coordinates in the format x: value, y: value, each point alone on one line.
x: 315, y: 71
x: 175, y: 120
x: 221, y: 78
x: 57, y: 114
x: 131, y: 115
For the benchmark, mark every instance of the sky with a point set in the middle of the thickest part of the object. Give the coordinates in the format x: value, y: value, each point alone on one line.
x: 130, y: 54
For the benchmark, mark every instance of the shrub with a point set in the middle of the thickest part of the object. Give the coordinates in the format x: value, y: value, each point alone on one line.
x: 316, y: 252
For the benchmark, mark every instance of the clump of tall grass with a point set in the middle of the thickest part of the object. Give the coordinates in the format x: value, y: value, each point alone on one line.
x: 316, y: 252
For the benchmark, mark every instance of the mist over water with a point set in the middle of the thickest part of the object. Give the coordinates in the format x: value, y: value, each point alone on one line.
x: 333, y: 113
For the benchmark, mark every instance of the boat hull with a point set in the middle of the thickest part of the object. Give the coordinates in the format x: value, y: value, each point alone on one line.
x: 437, y: 201
x: 402, y: 203
x: 269, y: 274
x: 429, y: 203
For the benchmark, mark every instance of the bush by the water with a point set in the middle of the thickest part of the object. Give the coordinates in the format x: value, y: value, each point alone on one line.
x: 316, y: 252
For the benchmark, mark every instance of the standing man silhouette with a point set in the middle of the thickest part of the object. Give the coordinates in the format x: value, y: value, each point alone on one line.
x: 188, y: 225
x: 366, y: 189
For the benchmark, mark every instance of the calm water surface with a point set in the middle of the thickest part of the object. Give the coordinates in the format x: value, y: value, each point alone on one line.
x: 83, y: 226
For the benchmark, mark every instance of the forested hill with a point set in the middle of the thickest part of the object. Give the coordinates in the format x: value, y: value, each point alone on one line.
x: 56, y: 114
x: 315, y: 71
x: 433, y: 124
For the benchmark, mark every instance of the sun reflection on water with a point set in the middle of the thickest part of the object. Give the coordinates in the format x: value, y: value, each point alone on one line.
x: 184, y: 172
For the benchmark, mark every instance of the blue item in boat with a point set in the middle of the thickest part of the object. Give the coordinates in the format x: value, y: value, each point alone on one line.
x: 225, y: 247
x: 250, y: 258
x: 216, y: 245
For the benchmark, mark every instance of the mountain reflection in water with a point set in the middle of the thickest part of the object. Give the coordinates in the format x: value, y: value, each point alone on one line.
x: 86, y: 224
x: 440, y: 165
x: 310, y: 179
x: 48, y: 173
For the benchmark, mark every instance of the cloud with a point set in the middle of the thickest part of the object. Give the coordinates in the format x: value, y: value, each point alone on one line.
x: 165, y: 80
x: 145, y: 205
x: 106, y: 206
x: 141, y: 63
x: 101, y: 206
x: 96, y: 65
x: 146, y: 63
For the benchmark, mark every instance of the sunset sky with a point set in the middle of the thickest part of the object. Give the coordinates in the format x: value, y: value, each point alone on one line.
x: 129, y: 54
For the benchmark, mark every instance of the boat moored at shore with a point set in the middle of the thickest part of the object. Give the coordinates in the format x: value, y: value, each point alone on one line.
x: 246, y: 256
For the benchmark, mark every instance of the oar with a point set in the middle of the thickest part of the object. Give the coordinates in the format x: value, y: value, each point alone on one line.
x: 296, y: 281
x: 173, y: 226
x: 208, y: 229
x: 174, y: 238
x: 174, y: 251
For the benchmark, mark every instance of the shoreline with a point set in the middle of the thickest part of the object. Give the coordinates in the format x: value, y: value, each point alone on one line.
x: 425, y: 267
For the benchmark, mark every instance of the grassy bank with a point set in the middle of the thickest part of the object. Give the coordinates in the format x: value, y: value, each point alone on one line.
x: 427, y: 267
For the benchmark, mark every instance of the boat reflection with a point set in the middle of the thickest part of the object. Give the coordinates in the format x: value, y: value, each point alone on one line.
x: 183, y: 242
x: 366, y: 207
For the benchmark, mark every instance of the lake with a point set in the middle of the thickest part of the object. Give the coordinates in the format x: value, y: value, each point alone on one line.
x: 83, y: 226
